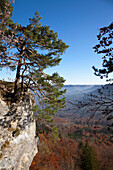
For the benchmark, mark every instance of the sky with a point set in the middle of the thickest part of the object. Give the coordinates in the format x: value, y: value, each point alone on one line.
x: 77, y: 23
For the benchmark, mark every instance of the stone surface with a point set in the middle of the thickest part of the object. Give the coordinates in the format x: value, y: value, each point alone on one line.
x: 18, y: 141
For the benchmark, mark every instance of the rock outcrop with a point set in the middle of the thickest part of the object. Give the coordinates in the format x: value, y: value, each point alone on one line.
x: 18, y: 141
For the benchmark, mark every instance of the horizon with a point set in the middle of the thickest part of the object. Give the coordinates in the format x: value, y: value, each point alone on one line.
x: 67, y: 84
x: 84, y: 84
x: 77, y: 24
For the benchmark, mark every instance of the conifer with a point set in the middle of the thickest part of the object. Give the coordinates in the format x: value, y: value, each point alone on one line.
x: 29, y: 50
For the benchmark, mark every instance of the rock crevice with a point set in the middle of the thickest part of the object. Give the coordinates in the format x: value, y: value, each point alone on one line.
x: 18, y: 141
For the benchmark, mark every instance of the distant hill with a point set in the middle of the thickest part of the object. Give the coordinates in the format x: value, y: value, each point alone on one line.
x: 76, y: 92
x: 107, y: 87
x: 79, y: 93
x: 73, y: 93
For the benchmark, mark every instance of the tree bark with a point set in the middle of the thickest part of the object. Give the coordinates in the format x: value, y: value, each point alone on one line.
x: 22, y: 83
x: 16, y: 90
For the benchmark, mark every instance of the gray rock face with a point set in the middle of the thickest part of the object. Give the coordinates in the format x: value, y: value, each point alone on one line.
x: 18, y: 141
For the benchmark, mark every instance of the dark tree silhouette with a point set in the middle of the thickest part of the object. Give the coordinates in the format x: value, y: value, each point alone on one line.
x: 101, y: 104
x: 105, y: 47
x: 89, y: 158
x: 98, y: 105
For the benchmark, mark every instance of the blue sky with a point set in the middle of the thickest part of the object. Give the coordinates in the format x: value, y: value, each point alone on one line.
x: 77, y: 23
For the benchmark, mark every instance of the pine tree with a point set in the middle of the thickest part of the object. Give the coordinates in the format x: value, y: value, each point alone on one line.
x: 105, y: 48
x: 29, y: 50
x: 89, y: 158
x: 7, y: 28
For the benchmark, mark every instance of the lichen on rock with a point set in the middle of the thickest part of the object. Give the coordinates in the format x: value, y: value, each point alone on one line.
x: 18, y: 141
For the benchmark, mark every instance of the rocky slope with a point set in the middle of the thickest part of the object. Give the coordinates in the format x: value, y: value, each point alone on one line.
x: 18, y: 140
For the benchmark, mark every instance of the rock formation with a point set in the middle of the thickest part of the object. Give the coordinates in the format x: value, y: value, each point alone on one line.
x: 18, y: 141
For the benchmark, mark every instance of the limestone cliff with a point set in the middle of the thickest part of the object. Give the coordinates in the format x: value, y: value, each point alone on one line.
x: 18, y: 141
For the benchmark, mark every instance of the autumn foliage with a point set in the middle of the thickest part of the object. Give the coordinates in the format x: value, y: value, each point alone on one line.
x: 65, y: 152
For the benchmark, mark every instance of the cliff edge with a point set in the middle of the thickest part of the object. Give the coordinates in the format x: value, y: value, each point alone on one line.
x: 18, y: 141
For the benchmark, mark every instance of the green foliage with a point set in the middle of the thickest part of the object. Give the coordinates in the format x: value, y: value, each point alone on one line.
x: 5, y: 145
x: 4, y: 5
x: 35, y: 48
x: 42, y: 127
x: 55, y: 133
x: 43, y: 148
x: 7, y: 27
x: 89, y: 158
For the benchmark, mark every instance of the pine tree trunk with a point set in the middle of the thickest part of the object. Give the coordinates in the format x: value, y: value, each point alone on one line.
x: 16, y: 90
x: 22, y: 82
x: 22, y: 85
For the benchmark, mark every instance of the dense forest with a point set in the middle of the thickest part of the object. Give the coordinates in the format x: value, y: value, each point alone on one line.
x: 71, y: 145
